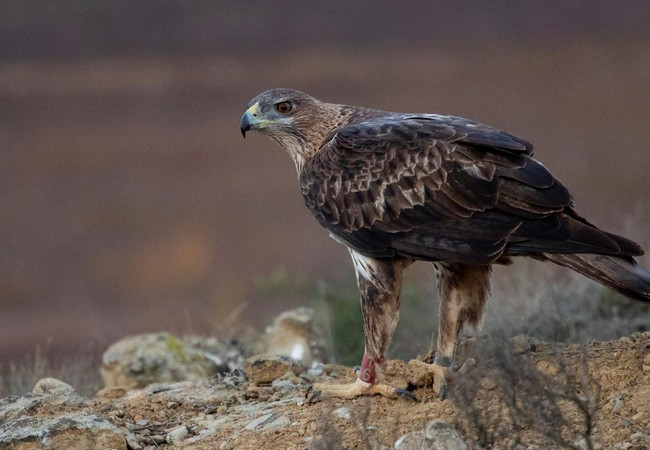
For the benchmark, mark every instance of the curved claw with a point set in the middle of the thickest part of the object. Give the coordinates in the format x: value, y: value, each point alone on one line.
x: 443, y: 392
x: 315, y: 395
x: 407, y: 394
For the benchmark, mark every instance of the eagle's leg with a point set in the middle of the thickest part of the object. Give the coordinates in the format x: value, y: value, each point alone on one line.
x: 463, y: 291
x: 379, y: 282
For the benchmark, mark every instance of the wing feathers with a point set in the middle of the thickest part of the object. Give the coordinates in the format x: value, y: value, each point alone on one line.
x: 444, y: 188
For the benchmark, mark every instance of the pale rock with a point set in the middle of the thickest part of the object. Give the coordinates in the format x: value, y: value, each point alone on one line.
x: 343, y: 413
x: 436, y: 436
x: 264, y: 369
x: 520, y: 344
x: 52, y: 386
x: 283, y: 386
x: 138, y: 361
x: 280, y: 422
x: 72, y: 431
x: 294, y: 335
x: 177, y: 435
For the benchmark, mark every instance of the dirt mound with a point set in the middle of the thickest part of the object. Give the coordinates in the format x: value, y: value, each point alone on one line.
x: 518, y: 394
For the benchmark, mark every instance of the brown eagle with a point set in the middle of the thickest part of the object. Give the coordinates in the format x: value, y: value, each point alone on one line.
x: 396, y: 188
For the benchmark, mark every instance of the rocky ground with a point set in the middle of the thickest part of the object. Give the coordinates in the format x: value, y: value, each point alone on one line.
x: 162, y: 392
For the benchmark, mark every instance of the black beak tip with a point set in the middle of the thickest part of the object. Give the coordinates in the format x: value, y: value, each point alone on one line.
x: 243, y: 131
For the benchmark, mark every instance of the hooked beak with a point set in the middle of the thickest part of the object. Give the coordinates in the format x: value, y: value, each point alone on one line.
x: 250, y: 119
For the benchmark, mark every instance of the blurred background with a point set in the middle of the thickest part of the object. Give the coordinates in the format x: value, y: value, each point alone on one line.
x: 130, y: 203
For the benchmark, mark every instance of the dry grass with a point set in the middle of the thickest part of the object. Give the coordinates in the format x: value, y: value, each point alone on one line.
x: 80, y: 371
x: 524, y: 404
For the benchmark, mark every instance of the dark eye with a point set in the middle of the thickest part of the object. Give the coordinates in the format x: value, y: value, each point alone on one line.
x: 284, y: 107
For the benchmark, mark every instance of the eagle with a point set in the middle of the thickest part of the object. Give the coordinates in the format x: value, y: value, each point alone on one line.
x: 396, y: 188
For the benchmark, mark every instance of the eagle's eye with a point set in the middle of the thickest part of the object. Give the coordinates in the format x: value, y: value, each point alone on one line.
x: 284, y: 107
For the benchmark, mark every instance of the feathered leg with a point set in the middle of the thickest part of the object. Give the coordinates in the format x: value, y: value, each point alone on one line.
x: 463, y: 291
x: 379, y: 282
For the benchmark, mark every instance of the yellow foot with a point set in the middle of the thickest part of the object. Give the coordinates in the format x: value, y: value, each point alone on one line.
x: 434, y: 375
x: 355, y: 389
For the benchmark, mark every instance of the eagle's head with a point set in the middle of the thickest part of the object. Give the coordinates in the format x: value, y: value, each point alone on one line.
x: 295, y: 120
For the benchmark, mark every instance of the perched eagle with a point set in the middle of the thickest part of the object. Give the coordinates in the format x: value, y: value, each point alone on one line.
x: 396, y: 188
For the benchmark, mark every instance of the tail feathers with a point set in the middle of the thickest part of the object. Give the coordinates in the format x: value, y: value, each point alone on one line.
x: 621, y: 274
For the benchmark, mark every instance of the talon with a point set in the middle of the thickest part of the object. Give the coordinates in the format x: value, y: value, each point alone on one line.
x: 405, y: 393
x: 443, y: 392
x: 314, y: 397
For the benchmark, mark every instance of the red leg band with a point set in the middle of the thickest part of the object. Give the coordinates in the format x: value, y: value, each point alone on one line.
x: 368, y: 372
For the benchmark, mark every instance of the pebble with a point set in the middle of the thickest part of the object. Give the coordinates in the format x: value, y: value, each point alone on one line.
x: 488, y: 384
x: 520, y: 344
x: 158, y: 439
x: 225, y: 446
x: 222, y: 409
x: 141, y: 422
x: 638, y: 416
x: 177, y: 435
x: 638, y: 435
x: 283, y: 385
x: 617, y: 405
x: 316, y: 371
x: 280, y: 422
x: 132, y: 441
x: 343, y: 413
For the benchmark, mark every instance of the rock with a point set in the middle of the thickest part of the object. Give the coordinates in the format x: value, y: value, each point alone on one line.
x: 343, y: 413
x: 294, y: 335
x: 132, y: 441
x: 138, y: 361
x: 280, y: 422
x: 283, y: 386
x: 111, y: 392
x: 262, y: 420
x: 263, y: 369
x: 520, y: 344
x: 436, y: 436
x: 17, y: 406
x: 177, y: 435
x: 52, y: 386
x: 316, y: 370
x: 72, y: 431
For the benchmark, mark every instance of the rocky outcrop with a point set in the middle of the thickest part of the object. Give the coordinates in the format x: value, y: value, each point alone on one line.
x: 71, y: 431
x: 294, y: 334
x: 49, y: 418
x: 264, y: 369
x: 138, y: 361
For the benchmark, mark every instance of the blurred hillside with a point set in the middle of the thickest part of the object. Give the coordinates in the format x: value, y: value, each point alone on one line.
x: 93, y: 28
x: 130, y: 203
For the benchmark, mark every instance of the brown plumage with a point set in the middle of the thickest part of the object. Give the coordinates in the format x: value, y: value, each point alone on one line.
x: 398, y: 187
